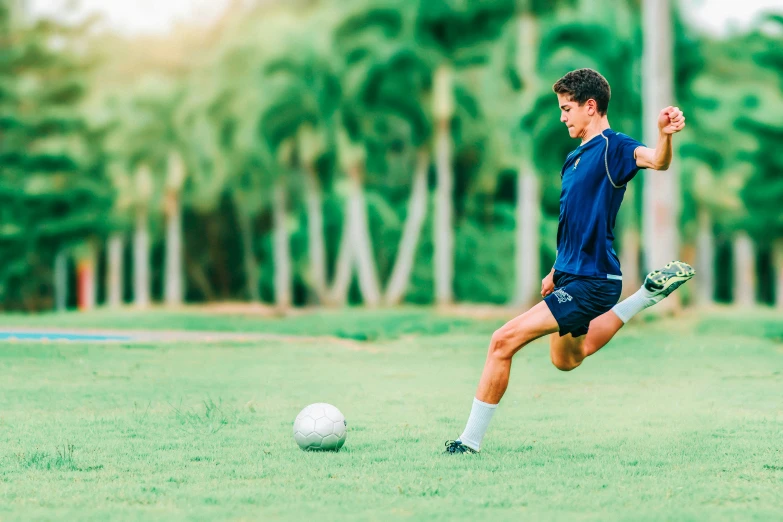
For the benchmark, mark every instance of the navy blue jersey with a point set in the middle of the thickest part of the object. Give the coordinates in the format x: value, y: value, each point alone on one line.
x: 593, y: 180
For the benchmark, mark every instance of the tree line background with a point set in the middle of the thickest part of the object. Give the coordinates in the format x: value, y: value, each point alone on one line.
x: 374, y: 152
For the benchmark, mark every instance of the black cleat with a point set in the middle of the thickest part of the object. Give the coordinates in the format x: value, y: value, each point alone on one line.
x: 666, y: 280
x: 454, y: 447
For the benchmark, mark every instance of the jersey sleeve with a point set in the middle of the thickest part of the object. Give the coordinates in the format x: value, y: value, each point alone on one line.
x: 620, y: 158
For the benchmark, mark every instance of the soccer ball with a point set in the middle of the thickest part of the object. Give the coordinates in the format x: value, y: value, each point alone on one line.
x: 320, y: 427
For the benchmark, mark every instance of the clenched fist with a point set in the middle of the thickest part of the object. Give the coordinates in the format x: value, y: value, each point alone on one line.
x: 671, y: 120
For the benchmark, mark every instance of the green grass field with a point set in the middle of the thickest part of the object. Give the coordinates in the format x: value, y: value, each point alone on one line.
x: 677, y: 419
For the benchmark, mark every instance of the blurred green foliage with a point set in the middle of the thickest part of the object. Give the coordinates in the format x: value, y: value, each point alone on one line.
x: 273, y: 91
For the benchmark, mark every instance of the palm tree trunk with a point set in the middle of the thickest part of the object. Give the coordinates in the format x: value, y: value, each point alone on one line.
x: 631, y: 242
x: 315, y: 234
x: 443, y: 226
x: 417, y: 211
x: 282, y: 248
x: 527, y: 231
x: 114, y: 279
x: 705, y: 260
x: 744, y: 270
x: 173, y: 292
x: 777, y: 266
x: 361, y: 242
x: 141, y: 260
x: 443, y: 229
x: 338, y: 295
x: 197, y: 273
x: 629, y: 259
x: 61, y: 280
x: 249, y: 261
x: 174, y: 279
x: 528, y: 209
x: 661, y: 197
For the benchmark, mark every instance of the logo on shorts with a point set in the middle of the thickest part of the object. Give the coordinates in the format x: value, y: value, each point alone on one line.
x: 562, y: 296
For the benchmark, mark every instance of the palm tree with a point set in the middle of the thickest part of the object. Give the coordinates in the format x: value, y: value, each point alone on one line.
x: 174, y: 283
x: 302, y: 115
x: 141, y: 237
x: 219, y: 124
x: 356, y: 36
x: 744, y: 292
x: 443, y: 225
x: 272, y: 88
x: 455, y: 35
x: 310, y: 145
x: 509, y: 92
x: 145, y: 145
x: 115, y: 246
x: 761, y: 118
x: 528, y: 213
x: 777, y: 262
x: 392, y: 97
x: 133, y: 181
x: 234, y: 156
x: 61, y: 280
x: 416, y: 214
x: 281, y: 234
x: 352, y: 159
x: 703, y: 188
x: 375, y: 88
x: 732, y: 181
x: 661, y: 196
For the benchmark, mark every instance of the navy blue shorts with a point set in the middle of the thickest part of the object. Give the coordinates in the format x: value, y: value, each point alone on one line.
x: 577, y: 300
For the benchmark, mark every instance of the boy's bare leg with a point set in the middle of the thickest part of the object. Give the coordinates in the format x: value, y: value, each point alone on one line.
x: 505, y: 342
x: 568, y: 352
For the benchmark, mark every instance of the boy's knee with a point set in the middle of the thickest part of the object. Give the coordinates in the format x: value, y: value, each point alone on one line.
x: 500, y: 344
x: 506, y: 341
x: 565, y: 364
x: 515, y: 334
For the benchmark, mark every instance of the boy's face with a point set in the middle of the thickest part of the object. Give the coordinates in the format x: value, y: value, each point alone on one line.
x: 576, y: 117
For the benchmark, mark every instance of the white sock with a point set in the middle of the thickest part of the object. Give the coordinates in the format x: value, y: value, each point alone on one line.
x: 642, y: 299
x: 478, y: 422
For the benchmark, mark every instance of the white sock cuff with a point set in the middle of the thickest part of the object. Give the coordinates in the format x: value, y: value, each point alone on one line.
x: 478, y: 422
x: 485, y: 404
x: 625, y: 310
x: 628, y: 308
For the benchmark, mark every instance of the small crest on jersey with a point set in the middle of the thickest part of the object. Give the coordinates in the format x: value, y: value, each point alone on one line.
x: 576, y: 163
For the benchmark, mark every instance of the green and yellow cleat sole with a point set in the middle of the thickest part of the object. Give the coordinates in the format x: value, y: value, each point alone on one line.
x: 669, y: 278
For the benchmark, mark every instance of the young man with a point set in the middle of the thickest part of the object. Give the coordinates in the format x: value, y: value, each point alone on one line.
x: 579, y: 308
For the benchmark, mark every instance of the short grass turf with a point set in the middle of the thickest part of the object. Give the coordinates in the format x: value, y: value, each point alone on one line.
x: 677, y: 419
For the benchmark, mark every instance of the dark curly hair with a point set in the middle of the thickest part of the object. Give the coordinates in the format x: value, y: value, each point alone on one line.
x: 584, y: 84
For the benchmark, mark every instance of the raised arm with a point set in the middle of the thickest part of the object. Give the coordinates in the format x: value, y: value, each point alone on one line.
x: 670, y: 121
